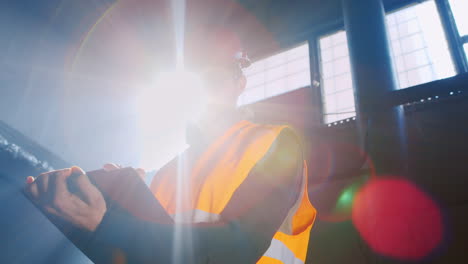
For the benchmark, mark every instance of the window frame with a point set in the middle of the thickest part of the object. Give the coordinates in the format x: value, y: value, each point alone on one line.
x: 315, y: 77
x: 454, y: 40
x: 335, y: 29
x: 316, y: 69
x: 455, y: 43
x: 283, y: 48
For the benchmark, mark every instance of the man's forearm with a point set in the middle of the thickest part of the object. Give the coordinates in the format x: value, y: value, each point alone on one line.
x: 122, y: 236
x: 255, y: 212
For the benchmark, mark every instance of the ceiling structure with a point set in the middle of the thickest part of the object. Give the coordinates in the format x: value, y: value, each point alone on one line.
x: 292, y: 21
x: 48, y: 72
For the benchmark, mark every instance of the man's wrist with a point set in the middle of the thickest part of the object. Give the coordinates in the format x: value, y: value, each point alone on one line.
x: 96, y: 220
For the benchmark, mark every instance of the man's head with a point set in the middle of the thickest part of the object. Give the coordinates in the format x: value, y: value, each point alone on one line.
x: 218, y: 58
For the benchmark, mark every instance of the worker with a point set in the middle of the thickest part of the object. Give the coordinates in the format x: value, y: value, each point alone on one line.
x: 238, y: 194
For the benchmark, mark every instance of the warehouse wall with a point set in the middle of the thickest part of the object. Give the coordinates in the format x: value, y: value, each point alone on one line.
x: 437, y: 156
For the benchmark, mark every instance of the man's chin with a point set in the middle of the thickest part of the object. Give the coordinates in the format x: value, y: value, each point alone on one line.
x: 223, y: 101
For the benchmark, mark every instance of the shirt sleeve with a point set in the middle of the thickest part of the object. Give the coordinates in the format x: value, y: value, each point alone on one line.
x: 123, y: 238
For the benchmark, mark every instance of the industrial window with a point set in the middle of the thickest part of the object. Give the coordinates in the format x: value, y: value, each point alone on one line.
x: 283, y: 72
x: 418, y: 46
x: 337, y: 87
x: 459, y: 8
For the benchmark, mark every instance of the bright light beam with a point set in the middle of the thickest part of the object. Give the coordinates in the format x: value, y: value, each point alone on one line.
x: 178, y: 15
x: 164, y: 108
x: 180, y: 237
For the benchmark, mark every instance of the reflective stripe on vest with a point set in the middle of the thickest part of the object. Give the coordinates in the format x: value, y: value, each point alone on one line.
x: 195, y: 216
x: 198, y: 191
x: 281, y: 252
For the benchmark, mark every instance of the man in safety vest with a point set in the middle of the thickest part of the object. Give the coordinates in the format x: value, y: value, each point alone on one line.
x: 238, y: 194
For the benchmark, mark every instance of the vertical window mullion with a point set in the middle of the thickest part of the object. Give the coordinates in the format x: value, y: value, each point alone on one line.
x: 315, y: 79
x: 333, y: 91
x: 420, y: 50
x: 453, y: 37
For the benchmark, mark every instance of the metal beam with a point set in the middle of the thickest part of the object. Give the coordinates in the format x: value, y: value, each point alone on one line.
x: 441, y: 88
x: 382, y: 128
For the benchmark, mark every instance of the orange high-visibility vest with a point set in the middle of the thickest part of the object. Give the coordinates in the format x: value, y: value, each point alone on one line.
x: 199, y: 192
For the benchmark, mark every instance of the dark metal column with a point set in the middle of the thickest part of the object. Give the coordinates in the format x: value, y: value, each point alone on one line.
x: 382, y: 129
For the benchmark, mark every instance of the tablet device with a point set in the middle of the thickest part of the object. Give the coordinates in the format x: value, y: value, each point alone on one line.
x: 126, y: 188
x: 121, y: 188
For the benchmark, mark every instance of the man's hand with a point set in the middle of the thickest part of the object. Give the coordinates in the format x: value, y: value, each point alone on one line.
x: 112, y: 166
x: 84, y: 208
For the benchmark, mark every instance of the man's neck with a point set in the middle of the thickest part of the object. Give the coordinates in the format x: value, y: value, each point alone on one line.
x: 219, y: 118
x: 216, y: 121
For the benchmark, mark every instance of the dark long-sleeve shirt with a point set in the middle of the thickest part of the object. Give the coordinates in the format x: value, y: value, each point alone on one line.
x: 275, y: 180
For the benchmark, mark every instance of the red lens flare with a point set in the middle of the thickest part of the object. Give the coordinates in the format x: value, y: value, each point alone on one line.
x: 338, y: 170
x: 397, y: 219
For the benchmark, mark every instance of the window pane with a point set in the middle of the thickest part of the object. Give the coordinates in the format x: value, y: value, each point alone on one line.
x: 256, y: 67
x: 301, y: 79
x: 411, y: 43
x: 339, y: 38
x: 405, y: 15
x: 275, y: 60
x: 408, y: 27
x: 343, y: 82
x: 255, y: 80
x: 416, y: 59
x: 275, y: 87
x: 337, y: 91
x: 327, y: 69
x: 399, y: 64
x: 459, y: 9
x: 277, y: 74
x: 298, y: 65
x: 340, y: 51
x: 328, y: 87
x: 330, y: 106
x: 252, y: 95
x: 325, y: 43
x: 298, y: 52
x: 327, y: 55
x: 420, y: 75
x: 342, y: 66
x: 419, y: 48
x: 345, y: 99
